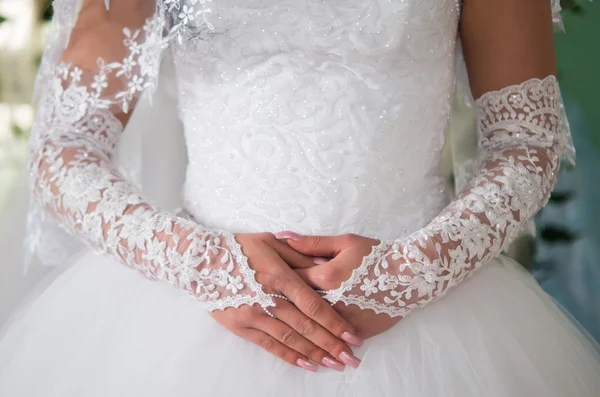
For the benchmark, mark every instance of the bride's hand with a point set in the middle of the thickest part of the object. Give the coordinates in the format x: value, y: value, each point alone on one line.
x: 305, y: 327
x: 346, y: 252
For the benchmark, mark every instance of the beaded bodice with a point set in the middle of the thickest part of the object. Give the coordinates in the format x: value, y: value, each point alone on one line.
x: 320, y: 117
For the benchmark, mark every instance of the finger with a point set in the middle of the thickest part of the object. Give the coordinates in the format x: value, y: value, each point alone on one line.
x: 315, y: 307
x: 292, y: 339
x: 329, y: 276
x: 324, y: 246
x: 293, y: 258
x: 278, y: 349
x: 326, y: 347
x: 311, y: 277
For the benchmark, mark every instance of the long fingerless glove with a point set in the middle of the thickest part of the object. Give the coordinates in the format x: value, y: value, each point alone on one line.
x: 520, y: 141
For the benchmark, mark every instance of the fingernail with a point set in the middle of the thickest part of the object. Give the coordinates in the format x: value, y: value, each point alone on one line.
x: 349, y: 359
x: 320, y: 261
x: 331, y: 363
x: 287, y: 235
x: 307, y: 365
x: 352, y: 339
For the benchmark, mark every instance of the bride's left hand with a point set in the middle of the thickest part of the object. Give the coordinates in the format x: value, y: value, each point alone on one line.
x: 345, y: 253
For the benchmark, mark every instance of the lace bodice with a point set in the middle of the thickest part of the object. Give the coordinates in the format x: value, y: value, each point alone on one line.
x: 295, y: 113
x: 320, y: 117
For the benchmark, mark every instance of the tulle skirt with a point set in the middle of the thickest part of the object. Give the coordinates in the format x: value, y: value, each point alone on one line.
x: 100, y: 329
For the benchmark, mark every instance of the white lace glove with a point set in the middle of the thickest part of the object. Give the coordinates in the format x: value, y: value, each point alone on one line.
x: 521, y: 141
x: 111, y: 58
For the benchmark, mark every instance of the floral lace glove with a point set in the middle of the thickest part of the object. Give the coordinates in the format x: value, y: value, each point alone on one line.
x: 111, y: 58
x: 521, y: 142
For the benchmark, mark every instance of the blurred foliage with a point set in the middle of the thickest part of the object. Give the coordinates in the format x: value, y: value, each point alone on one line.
x: 46, y: 10
x: 18, y: 132
x: 572, y: 6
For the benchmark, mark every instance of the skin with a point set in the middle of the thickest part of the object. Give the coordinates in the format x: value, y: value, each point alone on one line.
x: 306, y: 327
x: 347, y: 252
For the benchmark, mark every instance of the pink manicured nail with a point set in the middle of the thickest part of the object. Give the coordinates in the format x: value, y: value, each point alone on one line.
x: 331, y: 363
x: 352, y: 339
x: 349, y: 359
x: 307, y: 365
x: 320, y: 261
x: 287, y: 235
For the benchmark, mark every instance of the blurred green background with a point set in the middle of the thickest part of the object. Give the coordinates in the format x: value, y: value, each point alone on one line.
x: 578, y: 57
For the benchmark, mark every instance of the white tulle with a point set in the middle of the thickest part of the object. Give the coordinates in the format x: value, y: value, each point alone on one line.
x: 294, y: 115
x: 495, y: 335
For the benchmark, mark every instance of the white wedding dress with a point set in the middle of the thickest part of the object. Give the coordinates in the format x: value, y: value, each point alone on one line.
x: 311, y: 116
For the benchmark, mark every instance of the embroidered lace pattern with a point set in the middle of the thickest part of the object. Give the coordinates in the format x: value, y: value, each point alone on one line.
x: 521, y: 142
x: 75, y: 136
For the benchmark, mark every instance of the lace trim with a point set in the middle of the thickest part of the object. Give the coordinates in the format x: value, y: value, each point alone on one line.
x: 263, y: 299
x: 520, y: 136
x: 528, y: 109
x: 358, y: 274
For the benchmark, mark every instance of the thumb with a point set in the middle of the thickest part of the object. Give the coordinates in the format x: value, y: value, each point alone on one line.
x: 325, y: 246
x: 312, y: 277
x: 327, y: 276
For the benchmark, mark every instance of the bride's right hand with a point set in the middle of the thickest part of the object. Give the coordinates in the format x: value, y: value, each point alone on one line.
x: 306, y: 327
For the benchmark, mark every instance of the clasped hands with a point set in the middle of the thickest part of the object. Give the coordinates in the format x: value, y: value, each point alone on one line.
x: 307, y: 331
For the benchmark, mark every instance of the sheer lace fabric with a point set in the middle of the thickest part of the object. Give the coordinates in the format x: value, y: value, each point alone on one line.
x: 86, y: 98
x: 521, y: 143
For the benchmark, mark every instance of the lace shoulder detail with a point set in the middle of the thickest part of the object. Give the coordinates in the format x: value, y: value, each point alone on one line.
x: 138, y: 67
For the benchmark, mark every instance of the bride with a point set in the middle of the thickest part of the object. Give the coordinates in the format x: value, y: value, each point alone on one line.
x: 315, y: 218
